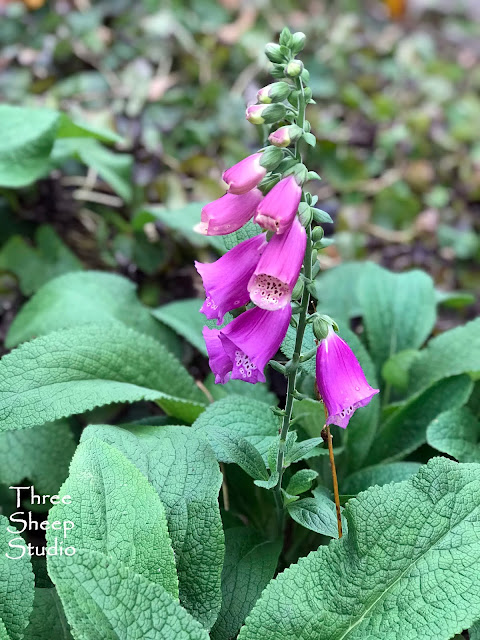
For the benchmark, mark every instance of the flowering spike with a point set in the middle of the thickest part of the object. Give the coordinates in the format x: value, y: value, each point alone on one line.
x: 228, y: 213
x: 277, y: 210
x: 225, y: 280
x: 277, y: 271
x: 245, y: 175
x: 340, y: 380
x: 218, y: 360
x: 252, y: 339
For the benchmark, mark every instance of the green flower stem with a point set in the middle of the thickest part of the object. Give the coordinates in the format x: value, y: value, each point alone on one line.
x: 301, y: 324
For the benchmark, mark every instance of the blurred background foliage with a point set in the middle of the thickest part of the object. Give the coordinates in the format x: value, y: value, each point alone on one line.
x: 397, y: 119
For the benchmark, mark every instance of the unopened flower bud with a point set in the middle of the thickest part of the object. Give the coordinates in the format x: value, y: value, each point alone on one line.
x: 275, y: 92
x: 317, y: 234
x: 322, y: 324
x: 294, y: 68
x: 297, y: 42
x: 298, y: 289
x: 273, y: 52
x: 265, y: 113
x: 285, y: 135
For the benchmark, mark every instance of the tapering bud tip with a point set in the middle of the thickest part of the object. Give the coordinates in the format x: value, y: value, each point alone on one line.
x: 274, y: 53
x: 265, y: 113
x: 284, y: 136
x: 275, y: 92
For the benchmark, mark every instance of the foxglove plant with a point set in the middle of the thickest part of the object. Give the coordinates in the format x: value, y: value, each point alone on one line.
x: 268, y: 272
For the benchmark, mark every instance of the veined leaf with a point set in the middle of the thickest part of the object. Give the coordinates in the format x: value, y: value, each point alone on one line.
x: 115, y: 511
x: 75, y: 370
x: 183, y: 470
x: 379, y: 474
x: 105, y: 599
x: 250, y: 562
x: 48, y: 618
x: 16, y: 583
x: 456, y: 432
x: 75, y: 299
x: 184, y: 317
x: 396, y: 574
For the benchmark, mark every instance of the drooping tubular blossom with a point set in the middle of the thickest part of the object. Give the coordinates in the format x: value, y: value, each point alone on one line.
x: 249, y: 342
x: 340, y: 380
x: 278, y: 208
x: 228, y: 213
x: 225, y: 280
x: 277, y: 271
x: 220, y: 363
x: 245, y: 175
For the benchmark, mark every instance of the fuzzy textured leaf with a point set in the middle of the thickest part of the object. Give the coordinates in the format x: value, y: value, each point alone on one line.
x: 75, y: 370
x: 407, y: 569
x: 48, y: 618
x: 456, y: 432
x: 16, y: 584
x: 184, y: 317
x: 105, y: 599
x: 183, y: 470
x: 379, y: 474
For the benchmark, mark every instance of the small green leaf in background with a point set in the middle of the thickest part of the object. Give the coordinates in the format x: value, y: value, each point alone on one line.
x: 399, y: 310
x: 41, y: 454
x: 182, y: 468
x: 184, y: 317
x: 250, y: 563
x: 317, y: 514
x: 34, y: 266
x: 16, y: 585
x: 240, y: 451
x: 449, y: 354
x: 395, y: 370
x: 103, y: 598
x: 27, y: 137
x: 116, y: 512
x: 337, y: 291
x: 242, y: 417
x: 474, y: 631
x: 379, y: 474
x: 406, y: 429
x: 301, y: 481
x: 457, y: 433
x: 387, y: 578
x: 48, y: 618
x: 181, y: 221
x: 74, y: 299
x: 74, y: 370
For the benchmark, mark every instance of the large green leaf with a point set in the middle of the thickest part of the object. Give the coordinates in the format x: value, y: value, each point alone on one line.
x: 75, y: 370
x: 27, y: 137
x: 457, y: 433
x: 16, y: 583
x: 250, y: 562
x: 184, y: 317
x: 41, y: 454
x: 399, y: 310
x: 48, y: 618
x: 453, y: 352
x: 34, y: 266
x: 105, y: 599
x: 183, y: 470
x: 84, y: 298
x: 406, y: 429
x: 242, y: 418
x: 116, y: 512
x: 336, y: 291
x: 407, y: 569
x: 379, y: 474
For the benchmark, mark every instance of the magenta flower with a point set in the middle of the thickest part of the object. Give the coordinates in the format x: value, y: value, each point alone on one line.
x: 254, y: 113
x: 340, y: 380
x: 278, y: 208
x: 277, y: 271
x: 249, y: 342
x: 245, y: 175
x: 220, y: 363
x: 225, y: 280
x: 228, y: 213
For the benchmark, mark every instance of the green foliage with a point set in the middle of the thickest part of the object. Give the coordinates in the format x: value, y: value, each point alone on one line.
x: 372, y: 582
x: 48, y: 618
x: 250, y: 563
x: 72, y: 371
x: 239, y: 417
x: 317, y: 514
x: 379, y: 474
x: 183, y: 471
x: 41, y: 454
x: 456, y: 432
x: 77, y: 299
x: 104, y: 598
x: 34, y: 266
x: 183, y: 317
x: 16, y: 585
